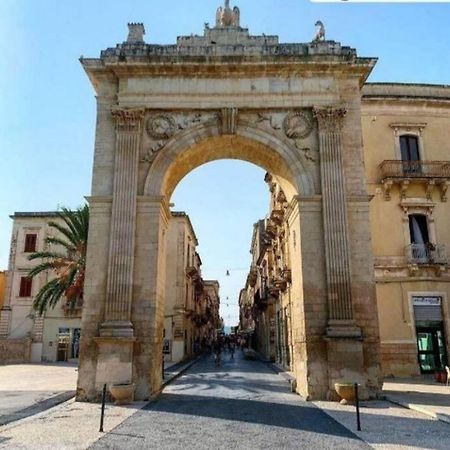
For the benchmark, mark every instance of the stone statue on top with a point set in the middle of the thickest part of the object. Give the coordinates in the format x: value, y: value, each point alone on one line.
x: 227, y: 17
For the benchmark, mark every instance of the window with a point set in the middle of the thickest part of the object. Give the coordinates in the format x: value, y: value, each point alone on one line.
x: 25, y: 286
x: 418, y: 229
x: 30, y: 243
x: 409, y: 148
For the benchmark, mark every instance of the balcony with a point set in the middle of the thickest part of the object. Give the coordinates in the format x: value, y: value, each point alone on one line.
x: 192, y: 272
x: 429, y: 173
x: 252, y: 276
x: 428, y: 254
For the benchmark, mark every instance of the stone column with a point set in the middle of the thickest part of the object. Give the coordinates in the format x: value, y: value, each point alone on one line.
x: 335, y: 223
x: 123, y: 223
x: 116, y: 340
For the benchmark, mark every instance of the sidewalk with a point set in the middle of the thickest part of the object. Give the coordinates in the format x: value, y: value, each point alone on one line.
x: 26, y: 389
x: 421, y: 394
x: 60, y: 426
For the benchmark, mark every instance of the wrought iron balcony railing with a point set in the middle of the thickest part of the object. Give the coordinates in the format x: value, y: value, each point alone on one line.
x: 414, y: 169
x: 426, y: 254
x: 431, y: 173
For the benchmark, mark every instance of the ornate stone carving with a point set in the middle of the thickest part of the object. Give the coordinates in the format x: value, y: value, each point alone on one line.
x: 307, y: 152
x: 160, y: 126
x: 229, y: 120
x: 152, y: 152
x: 320, y: 32
x: 297, y: 125
x: 127, y: 119
x: 226, y: 17
x: 444, y: 187
x: 261, y: 117
x: 330, y: 118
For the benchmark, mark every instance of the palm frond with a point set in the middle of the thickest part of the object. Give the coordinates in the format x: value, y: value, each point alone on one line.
x: 47, y: 255
x: 40, y: 268
x: 64, y: 231
x: 69, y: 267
x: 59, y: 241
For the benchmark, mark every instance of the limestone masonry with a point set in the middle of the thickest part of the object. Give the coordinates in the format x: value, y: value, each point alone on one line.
x: 350, y: 276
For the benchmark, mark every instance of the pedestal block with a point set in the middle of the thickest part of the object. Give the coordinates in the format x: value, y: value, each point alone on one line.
x: 114, y: 361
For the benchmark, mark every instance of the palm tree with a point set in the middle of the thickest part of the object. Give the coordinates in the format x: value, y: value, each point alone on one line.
x: 68, y: 264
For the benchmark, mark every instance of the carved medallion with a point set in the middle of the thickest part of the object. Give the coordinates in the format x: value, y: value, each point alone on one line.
x: 161, y: 126
x: 297, y: 125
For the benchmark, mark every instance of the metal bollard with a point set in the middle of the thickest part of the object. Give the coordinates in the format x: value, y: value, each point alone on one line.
x: 358, y: 419
x: 102, y: 416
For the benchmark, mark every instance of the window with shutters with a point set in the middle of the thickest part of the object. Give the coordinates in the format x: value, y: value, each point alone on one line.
x: 409, y: 150
x: 30, y: 243
x: 25, y: 286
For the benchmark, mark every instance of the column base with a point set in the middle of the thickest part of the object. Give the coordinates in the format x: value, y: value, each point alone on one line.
x: 343, y: 329
x: 346, y: 363
x: 116, y: 328
x: 114, y: 361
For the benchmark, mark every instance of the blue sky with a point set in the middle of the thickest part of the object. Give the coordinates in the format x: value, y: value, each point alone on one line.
x: 47, y: 109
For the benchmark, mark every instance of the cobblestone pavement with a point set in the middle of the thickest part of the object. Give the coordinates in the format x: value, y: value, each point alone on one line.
x: 26, y: 389
x: 241, y: 405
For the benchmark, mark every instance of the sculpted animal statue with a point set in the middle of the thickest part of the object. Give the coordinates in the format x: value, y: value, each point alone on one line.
x: 227, y: 17
x: 320, y: 32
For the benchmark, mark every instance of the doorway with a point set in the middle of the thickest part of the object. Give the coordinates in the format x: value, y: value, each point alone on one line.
x: 431, y: 348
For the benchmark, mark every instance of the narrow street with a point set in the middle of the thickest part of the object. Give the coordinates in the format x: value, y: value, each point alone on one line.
x: 241, y: 405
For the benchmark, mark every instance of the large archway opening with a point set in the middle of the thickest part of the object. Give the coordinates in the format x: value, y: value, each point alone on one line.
x: 223, y: 200
x: 286, y: 177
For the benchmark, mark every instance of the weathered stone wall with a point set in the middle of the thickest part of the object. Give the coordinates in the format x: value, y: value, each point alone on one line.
x: 15, y: 351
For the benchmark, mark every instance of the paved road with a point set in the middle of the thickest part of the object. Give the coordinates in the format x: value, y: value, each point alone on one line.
x: 241, y: 405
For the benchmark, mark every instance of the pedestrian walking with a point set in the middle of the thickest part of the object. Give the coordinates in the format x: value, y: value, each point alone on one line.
x: 218, y: 352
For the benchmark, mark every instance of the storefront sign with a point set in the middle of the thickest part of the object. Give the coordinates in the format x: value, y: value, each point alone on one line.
x: 427, y: 301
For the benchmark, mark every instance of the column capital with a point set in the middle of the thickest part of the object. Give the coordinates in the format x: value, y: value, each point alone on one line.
x: 128, y: 119
x: 330, y: 118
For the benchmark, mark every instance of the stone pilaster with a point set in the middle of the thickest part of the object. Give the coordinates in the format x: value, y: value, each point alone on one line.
x: 123, y: 217
x: 335, y: 222
x: 6, y: 311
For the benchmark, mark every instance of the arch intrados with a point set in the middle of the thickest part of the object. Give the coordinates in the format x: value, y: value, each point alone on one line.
x: 185, y: 153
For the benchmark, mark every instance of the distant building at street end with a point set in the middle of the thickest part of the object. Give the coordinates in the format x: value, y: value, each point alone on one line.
x: 192, y: 304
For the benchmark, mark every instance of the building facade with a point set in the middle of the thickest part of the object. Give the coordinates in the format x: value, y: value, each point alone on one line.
x: 3, y: 274
x: 406, y: 131
x: 25, y: 335
x: 192, y: 305
x: 406, y: 136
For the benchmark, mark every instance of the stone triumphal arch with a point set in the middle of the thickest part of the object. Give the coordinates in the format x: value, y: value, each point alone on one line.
x: 292, y: 109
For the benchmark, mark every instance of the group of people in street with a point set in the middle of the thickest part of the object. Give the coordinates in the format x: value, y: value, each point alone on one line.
x: 220, y: 345
x: 226, y: 343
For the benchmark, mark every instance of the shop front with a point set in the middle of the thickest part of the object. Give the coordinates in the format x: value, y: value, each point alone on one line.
x: 430, y: 333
